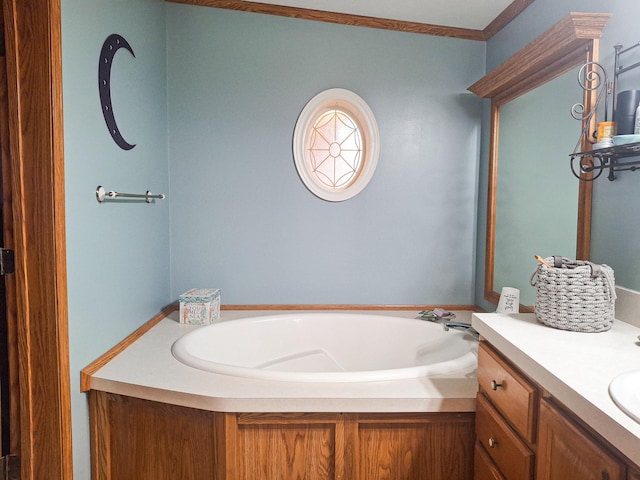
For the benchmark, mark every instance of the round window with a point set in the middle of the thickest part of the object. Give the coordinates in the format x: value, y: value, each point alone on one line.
x: 335, y: 144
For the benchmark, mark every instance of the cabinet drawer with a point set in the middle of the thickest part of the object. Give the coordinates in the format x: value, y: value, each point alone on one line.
x: 514, y: 396
x: 483, y: 466
x: 508, y: 452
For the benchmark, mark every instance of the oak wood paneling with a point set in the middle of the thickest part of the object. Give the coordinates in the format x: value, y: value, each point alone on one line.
x: 141, y: 439
x: 159, y: 441
x: 287, y: 451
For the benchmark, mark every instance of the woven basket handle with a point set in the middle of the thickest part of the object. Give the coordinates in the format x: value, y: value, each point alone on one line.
x: 596, y: 270
x: 611, y: 284
x: 559, y: 262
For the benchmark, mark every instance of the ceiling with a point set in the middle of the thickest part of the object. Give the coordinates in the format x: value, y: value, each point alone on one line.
x: 468, y: 14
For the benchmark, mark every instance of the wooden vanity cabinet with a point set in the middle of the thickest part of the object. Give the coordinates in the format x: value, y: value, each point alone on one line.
x: 506, y: 411
x: 144, y: 440
x: 522, y: 433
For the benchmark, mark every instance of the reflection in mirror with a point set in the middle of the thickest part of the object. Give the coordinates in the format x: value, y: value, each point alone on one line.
x: 530, y: 163
x: 536, y: 194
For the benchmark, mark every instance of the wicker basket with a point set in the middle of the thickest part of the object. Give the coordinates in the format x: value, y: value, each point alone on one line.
x: 574, y: 295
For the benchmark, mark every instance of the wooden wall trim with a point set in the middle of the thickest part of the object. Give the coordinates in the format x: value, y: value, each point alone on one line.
x: 317, y: 306
x: 226, y: 445
x: 93, y: 367
x: 100, y: 439
x: 339, y: 18
x: 34, y: 72
x: 490, y: 234
x: 508, y: 14
x: 9, y: 280
x: 585, y: 188
x: 511, y: 12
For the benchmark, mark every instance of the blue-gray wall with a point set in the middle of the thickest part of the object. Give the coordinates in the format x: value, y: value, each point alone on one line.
x: 241, y: 219
x: 117, y: 254
x: 616, y: 218
x: 237, y: 215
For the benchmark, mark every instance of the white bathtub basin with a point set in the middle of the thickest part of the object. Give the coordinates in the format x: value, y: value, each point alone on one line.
x: 327, y: 347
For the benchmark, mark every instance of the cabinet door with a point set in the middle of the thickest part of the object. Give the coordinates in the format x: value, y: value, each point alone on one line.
x: 567, y: 452
x: 137, y: 439
x: 285, y: 446
x: 418, y: 447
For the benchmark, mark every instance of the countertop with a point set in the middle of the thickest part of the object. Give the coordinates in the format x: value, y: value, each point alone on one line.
x: 146, y: 369
x: 575, y: 368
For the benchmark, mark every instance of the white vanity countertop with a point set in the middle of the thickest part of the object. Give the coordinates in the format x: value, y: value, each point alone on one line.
x: 575, y: 368
x: 147, y: 369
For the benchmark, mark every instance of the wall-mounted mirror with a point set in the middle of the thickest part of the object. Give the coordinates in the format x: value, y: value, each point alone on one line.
x: 536, y: 194
x: 530, y: 118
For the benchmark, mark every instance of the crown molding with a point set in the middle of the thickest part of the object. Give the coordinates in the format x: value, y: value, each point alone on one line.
x: 555, y: 51
x: 503, y: 19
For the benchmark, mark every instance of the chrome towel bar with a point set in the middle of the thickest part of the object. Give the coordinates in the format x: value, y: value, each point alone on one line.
x: 102, y: 195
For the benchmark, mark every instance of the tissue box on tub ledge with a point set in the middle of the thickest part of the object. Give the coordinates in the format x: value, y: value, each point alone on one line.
x: 200, y: 306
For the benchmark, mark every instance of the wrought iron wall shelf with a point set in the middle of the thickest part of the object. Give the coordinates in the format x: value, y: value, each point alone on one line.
x: 611, y: 158
x: 593, y: 77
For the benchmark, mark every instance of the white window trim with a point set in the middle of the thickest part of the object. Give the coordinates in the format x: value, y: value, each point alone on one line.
x: 357, y: 108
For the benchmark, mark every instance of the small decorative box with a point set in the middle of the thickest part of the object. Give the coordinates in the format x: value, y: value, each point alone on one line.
x: 200, y: 306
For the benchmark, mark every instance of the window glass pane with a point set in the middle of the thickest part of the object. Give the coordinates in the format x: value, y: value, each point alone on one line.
x: 335, y: 149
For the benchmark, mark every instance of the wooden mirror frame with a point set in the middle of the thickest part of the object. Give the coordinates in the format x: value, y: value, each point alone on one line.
x: 571, y: 42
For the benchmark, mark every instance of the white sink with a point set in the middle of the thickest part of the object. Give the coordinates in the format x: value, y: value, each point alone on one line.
x: 625, y: 392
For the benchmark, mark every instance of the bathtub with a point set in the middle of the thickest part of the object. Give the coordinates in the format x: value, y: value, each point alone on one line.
x: 327, y: 347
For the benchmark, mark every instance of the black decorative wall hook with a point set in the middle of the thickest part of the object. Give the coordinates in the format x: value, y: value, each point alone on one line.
x: 111, y: 45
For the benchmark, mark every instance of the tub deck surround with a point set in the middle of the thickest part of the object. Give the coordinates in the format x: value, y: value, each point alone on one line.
x: 146, y: 369
x: 575, y: 368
